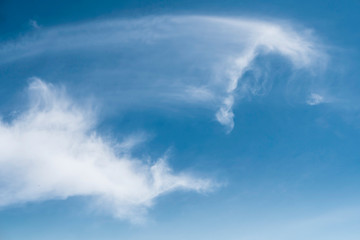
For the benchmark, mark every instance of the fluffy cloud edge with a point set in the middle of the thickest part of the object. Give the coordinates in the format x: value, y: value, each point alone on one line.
x: 52, y: 151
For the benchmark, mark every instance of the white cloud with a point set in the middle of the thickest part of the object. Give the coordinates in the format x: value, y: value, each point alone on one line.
x: 263, y: 38
x: 315, y: 99
x: 200, y: 94
x: 224, y: 115
x: 51, y: 151
x: 34, y: 24
x: 159, y: 60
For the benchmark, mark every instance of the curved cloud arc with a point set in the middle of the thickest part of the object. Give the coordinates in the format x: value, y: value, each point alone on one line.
x: 182, y: 59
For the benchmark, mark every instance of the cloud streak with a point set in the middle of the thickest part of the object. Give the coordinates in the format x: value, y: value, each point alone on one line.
x: 51, y: 151
x: 191, y: 60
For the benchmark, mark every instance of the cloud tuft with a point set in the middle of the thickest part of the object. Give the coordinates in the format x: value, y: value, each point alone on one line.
x: 51, y: 151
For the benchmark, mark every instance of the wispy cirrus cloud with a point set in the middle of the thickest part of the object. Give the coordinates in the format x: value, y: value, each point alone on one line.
x: 52, y: 151
x: 150, y: 61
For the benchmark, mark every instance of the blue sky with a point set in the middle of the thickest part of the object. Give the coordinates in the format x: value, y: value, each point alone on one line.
x: 179, y: 120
